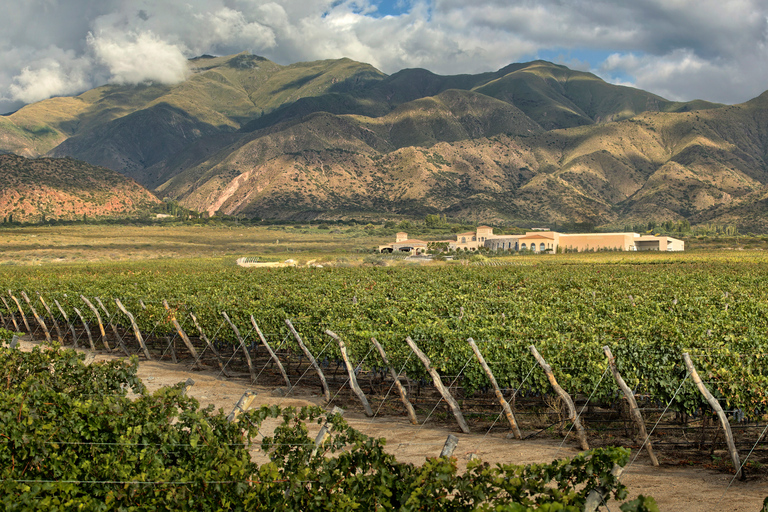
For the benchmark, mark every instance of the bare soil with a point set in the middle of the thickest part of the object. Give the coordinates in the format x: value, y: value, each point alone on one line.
x: 674, y: 486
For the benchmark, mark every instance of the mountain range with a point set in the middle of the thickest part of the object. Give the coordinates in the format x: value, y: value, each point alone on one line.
x: 530, y: 143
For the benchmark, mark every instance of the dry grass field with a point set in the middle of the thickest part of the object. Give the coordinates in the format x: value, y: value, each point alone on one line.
x: 37, y: 245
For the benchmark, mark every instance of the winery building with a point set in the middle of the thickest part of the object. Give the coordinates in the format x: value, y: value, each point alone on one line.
x: 542, y: 242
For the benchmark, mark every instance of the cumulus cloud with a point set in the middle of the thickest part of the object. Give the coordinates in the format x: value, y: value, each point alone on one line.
x: 134, y: 58
x: 54, y: 72
x: 681, y: 49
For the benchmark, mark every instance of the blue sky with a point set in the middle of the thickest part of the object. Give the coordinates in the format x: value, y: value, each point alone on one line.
x: 680, y: 49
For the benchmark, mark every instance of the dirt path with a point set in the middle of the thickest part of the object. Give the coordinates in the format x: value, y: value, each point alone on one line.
x: 675, y: 488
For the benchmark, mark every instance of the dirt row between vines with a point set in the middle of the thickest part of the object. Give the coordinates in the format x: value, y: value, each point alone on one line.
x: 674, y: 486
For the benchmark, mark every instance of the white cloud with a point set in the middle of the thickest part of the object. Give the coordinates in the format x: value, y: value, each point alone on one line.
x: 683, y: 75
x: 135, y: 58
x: 713, y: 49
x: 58, y: 73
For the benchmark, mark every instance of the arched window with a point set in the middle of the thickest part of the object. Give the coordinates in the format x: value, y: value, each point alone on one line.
x: 542, y: 247
x: 463, y: 240
x: 474, y: 239
x: 523, y: 247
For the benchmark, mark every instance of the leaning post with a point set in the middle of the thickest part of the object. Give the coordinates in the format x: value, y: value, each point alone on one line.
x: 326, y: 391
x: 720, y: 414
x: 565, y: 396
x: 136, y: 331
x: 37, y: 317
x: 271, y: 352
x: 633, y: 409
x: 439, y: 385
x: 222, y: 366
x: 66, y: 319
x: 53, y: 318
x: 87, y: 329
x: 182, y: 334
x: 242, y: 345
x: 398, y: 385
x: 496, y: 390
x: 351, y: 372
x: 98, y: 319
x: 21, y: 311
x: 10, y: 312
x: 114, y: 327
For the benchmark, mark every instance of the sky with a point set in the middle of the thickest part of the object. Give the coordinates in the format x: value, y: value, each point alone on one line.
x: 715, y: 50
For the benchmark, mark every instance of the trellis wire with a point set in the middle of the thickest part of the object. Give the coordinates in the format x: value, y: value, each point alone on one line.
x: 392, y: 386
x: 449, y: 387
x: 639, y: 450
x: 582, y: 411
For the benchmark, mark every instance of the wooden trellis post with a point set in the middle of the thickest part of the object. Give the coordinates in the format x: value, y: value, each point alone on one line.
x: 633, y: 409
x: 21, y: 311
x: 53, y: 318
x: 182, y: 334
x: 351, y: 372
x: 565, y: 396
x: 87, y: 330
x: 188, y: 385
x: 326, y: 391
x: 136, y: 331
x: 496, y: 390
x: 450, y: 446
x: 10, y: 312
x: 598, y: 496
x: 172, y: 346
x: 271, y: 352
x: 222, y: 366
x: 37, y: 317
x: 323, y: 434
x: 98, y: 319
x: 398, y: 385
x: 242, y: 405
x: 113, y: 326
x: 439, y: 385
x: 242, y: 345
x: 69, y: 324
x: 720, y: 414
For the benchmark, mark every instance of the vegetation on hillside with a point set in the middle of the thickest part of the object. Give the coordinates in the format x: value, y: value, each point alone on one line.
x: 533, y: 142
x: 43, y: 189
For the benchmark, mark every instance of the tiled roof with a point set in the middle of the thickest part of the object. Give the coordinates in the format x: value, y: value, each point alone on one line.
x: 536, y: 237
x: 410, y: 242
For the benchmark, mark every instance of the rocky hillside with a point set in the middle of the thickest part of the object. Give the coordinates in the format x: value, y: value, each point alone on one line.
x: 532, y: 142
x: 32, y: 190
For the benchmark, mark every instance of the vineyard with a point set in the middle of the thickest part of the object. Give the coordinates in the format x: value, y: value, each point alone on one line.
x: 73, y: 438
x: 648, y: 313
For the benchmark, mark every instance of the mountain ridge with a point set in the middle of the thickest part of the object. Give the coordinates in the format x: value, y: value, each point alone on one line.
x: 531, y: 142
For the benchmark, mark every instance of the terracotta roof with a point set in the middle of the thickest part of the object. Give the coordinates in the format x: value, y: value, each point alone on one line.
x: 536, y: 237
x: 410, y: 242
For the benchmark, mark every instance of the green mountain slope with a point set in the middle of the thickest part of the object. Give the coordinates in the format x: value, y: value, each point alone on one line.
x: 660, y: 165
x: 531, y: 142
x: 248, y: 93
